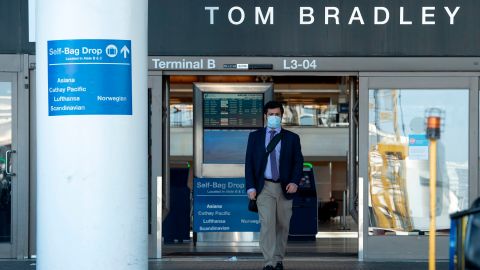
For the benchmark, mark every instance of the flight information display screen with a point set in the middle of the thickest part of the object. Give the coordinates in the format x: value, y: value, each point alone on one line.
x: 232, y: 110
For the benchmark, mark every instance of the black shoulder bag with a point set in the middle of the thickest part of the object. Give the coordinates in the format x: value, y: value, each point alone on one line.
x: 273, y: 143
x: 252, y: 204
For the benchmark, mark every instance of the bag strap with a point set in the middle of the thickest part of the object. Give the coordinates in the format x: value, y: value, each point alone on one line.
x: 273, y: 143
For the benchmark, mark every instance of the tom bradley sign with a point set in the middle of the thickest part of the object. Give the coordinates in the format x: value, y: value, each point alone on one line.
x: 332, y: 15
x: 315, y: 27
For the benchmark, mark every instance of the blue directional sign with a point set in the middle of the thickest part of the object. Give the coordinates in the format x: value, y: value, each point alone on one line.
x: 221, y: 205
x: 417, y: 147
x: 89, y: 77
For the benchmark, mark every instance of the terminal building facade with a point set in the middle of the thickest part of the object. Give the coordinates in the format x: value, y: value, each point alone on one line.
x: 357, y: 79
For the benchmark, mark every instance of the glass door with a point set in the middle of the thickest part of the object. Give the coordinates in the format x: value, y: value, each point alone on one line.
x: 394, y: 161
x: 9, y: 184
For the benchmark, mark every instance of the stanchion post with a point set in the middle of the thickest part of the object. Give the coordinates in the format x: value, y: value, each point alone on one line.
x: 433, y: 134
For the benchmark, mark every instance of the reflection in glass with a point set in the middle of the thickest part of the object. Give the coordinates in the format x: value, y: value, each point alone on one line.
x: 181, y: 115
x: 314, y: 107
x: 225, y: 146
x: 398, y: 158
x: 5, y: 145
x: 314, y: 115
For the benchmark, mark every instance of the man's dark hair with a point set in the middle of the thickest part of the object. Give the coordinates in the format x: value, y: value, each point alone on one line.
x: 272, y: 105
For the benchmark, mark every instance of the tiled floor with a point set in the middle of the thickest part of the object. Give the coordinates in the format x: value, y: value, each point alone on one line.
x: 323, y: 253
x: 293, y: 264
x: 320, y: 247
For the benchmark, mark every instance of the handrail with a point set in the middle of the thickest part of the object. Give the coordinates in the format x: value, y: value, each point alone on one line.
x: 465, y: 213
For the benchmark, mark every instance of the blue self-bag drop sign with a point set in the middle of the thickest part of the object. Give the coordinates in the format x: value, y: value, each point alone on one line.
x: 221, y: 205
x: 89, y: 77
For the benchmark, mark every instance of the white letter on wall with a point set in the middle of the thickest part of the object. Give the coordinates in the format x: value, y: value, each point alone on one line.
x: 334, y: 15
x: 259, y: 15
x: 357, y: 16
x: 385, y: 11
x: 402, y: 20
x: 426, y: 15
x: 242, y: 15
x: 452, y: 15
x: 212, y: 9
x: 304, y: 14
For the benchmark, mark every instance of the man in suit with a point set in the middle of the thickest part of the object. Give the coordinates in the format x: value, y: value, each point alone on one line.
x: 273, y: 181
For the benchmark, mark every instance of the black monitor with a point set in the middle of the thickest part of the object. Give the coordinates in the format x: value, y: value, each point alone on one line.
x: 224, y: 116
x: 228, y: 118
x: 232, y: 110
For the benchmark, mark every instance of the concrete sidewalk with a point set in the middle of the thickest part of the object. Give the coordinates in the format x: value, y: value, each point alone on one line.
x: 292, y: 264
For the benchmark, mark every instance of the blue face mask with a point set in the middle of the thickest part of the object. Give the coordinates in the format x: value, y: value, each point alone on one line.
x: 274, y: 121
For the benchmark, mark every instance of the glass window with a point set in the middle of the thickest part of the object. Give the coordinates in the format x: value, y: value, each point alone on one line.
x: 5, y: 145
x: 181, y: 105
x: 316, y: 109
x: 398, y: 159
x: 181, y: 115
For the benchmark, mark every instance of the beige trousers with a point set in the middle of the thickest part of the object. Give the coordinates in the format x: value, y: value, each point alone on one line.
x: 275, y: 212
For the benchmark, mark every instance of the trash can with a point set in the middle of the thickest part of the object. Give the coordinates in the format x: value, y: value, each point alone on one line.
x: 465, y: 239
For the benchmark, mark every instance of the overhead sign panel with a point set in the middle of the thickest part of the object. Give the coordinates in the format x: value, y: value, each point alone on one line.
x: 89, y: 77
x: 298, y: 28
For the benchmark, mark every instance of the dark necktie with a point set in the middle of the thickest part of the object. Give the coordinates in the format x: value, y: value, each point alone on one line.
x: 273, y: 159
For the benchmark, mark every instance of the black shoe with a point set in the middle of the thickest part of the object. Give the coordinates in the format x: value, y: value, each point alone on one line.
x: 268, y: 267
x: 279, y: 266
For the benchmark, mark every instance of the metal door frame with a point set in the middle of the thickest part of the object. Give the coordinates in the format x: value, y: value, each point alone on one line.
x: 14, y: 68
x: 395, y: 247
x: 156, y: 142
x: 158, y: 81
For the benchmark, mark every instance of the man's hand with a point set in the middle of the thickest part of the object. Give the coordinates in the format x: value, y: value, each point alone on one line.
x: 292, y: 188
x: 252, y: 195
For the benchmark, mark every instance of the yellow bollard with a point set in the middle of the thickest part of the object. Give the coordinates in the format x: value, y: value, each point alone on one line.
x: 433, y: 197
x: 433, y: 134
